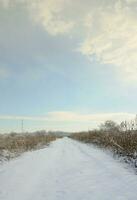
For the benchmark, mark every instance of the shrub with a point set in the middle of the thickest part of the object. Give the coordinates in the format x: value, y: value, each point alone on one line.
x: 24, y: 142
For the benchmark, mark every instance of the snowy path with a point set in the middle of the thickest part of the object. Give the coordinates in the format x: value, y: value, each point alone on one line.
x: 67, y: 170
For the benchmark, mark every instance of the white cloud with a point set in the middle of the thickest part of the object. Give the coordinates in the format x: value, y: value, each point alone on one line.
x: 77, y: 117
x: 50, y: 13
x: 5, y: 3
x: 113, y: 40
x: 107, y: 29
x: 131, y: 1
x: 65, y: 116
x: 62, y: 120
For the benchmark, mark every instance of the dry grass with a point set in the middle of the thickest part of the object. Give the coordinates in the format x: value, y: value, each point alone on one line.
x: 15, y: 144
x: 122, y: 143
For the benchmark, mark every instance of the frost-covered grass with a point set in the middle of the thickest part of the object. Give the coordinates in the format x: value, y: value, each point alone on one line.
x: 12, y: 145
x: 122, y: 144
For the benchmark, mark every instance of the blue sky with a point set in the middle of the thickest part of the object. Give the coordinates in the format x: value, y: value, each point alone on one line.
x: 67, y: 65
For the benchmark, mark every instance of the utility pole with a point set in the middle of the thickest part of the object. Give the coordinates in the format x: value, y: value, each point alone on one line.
x: 22, y: 126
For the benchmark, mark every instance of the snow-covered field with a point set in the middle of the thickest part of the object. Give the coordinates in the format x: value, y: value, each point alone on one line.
x: 66, y: 170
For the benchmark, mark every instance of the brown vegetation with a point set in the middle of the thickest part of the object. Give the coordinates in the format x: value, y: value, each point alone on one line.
x: 13, y: 144
x: 120, y: 142
x: 111, y: 136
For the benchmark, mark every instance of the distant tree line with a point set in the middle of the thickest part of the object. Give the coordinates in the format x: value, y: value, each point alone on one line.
x: 111, y: 126
x: 129, y: 125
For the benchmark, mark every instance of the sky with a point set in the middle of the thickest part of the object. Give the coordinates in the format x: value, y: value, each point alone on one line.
x: 67, y: 65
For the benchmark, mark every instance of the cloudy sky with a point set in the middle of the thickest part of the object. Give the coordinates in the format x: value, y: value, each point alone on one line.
x: 67, y: 65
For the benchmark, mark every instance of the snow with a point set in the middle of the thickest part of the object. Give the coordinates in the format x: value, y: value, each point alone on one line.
x: 66, y: 170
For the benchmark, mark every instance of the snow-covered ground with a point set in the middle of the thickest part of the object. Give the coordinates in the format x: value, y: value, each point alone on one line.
x: 66, y: 170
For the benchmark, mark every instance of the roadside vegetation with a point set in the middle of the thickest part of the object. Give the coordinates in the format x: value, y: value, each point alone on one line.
x: 12, y: 145
x: 121, y: 139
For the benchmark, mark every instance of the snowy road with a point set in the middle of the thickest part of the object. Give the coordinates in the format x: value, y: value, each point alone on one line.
x: 67, y: 170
